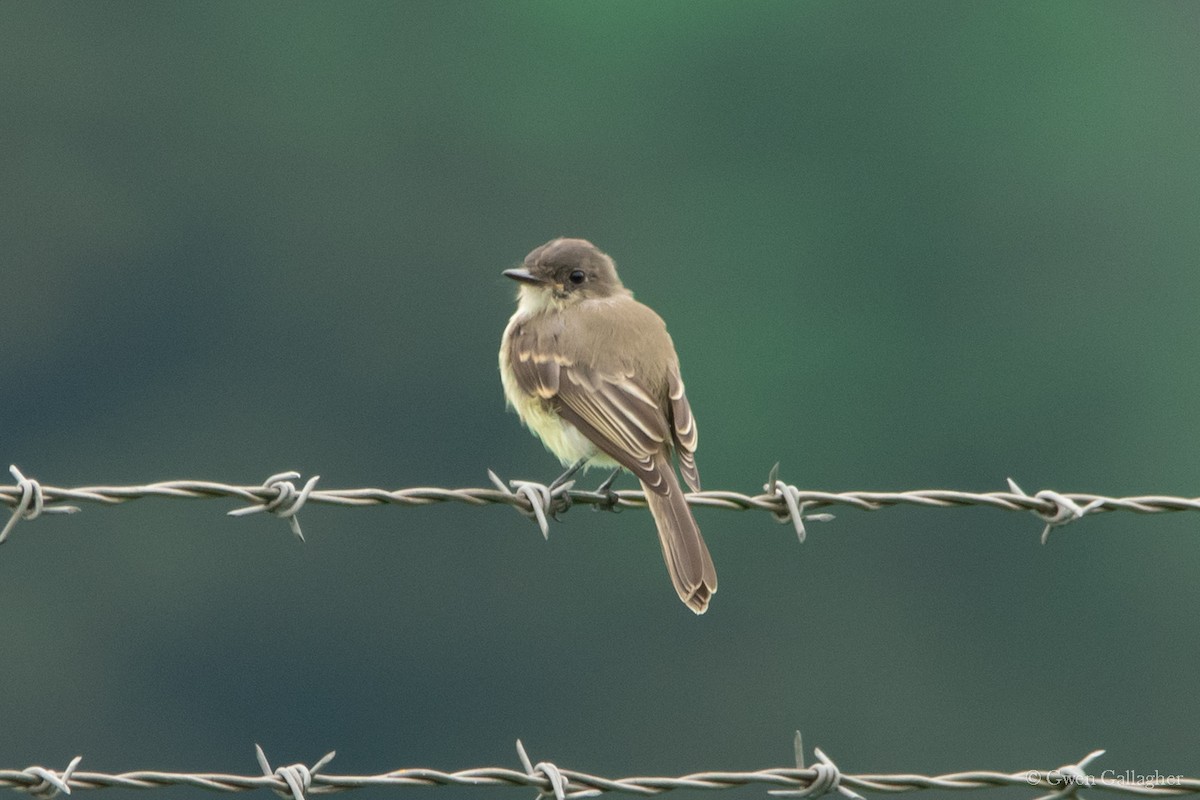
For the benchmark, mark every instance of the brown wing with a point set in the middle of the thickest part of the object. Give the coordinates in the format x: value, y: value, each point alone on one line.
x: 684, y: 428
x: 536, y: 371
x: 613, y: 410
x: 619, y: 417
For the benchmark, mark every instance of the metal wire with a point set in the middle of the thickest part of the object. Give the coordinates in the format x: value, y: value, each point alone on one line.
x: 278, y: 495
x: 298, y: 780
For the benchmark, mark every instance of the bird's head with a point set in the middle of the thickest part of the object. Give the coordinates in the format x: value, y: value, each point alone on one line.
x: 563, y: 272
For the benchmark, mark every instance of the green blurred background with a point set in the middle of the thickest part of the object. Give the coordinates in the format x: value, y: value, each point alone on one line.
x: 899, y: 245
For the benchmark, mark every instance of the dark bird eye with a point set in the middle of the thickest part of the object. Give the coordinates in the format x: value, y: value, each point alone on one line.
x: 576, y: 277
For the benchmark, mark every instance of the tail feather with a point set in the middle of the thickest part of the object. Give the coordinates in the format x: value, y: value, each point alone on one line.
x: 688, y: 562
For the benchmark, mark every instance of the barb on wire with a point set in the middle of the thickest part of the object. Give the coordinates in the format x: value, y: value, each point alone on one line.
x: 287, y: 501
x: 278, y: 495
x: 298, y: 781
x: 544, y: 501
x: 297, y: 777
x: 827, y: 777
x: 48, y: 783
x: 551, y: 773
x: 1070, y: 778
x: 791, y: 498
x: 29, y: 502
x: 1064, y: 509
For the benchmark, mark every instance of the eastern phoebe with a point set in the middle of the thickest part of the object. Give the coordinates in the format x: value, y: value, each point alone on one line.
x: 594, y: 374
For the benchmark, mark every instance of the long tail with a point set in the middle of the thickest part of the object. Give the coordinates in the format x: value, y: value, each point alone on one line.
x: 683, y: 547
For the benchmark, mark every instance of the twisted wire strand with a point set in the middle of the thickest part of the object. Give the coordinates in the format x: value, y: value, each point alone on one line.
x: 722, y: 499
x: 297, y: 780
x: 279, y: 496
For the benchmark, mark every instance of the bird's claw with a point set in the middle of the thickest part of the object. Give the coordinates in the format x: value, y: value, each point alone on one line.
x: 562, y: 503
x: 610, y: 499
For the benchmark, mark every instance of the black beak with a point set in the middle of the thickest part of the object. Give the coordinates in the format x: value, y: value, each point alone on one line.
x: 522, y: 275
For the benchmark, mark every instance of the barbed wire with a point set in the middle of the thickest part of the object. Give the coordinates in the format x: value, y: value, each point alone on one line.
x: 296, y: 781
x: 279, y: 495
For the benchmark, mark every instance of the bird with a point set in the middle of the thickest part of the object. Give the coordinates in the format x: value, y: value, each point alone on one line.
x: 593, y: 373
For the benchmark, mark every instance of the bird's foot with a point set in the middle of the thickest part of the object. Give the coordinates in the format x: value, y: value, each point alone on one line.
x: 611, y: 499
